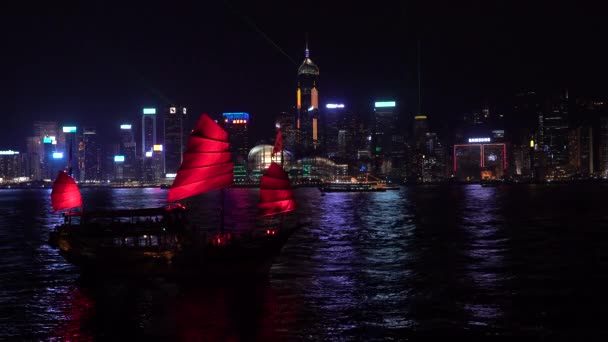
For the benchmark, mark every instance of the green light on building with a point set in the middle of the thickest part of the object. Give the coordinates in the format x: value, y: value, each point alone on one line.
x: 240, y: 173
x: 381, y: 104
x: 306, y: 168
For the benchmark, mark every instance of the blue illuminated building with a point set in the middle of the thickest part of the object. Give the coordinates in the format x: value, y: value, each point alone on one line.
x: 236, y: 124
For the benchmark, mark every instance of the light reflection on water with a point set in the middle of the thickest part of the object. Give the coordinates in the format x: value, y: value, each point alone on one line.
x: 427, y: 260
x: 484, y: 224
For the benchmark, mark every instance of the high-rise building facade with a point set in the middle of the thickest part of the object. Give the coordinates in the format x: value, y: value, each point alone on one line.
x: 307, y: 106
x: 236, y: 124
x: 603, y: 146
x: 45, y: 163
x: 127, y: 148
x: 148, y: 140
x: 388, y: 140
x: 479, y: 158
x: 176, y: 119
x: 553, y: 128
x: 421, y: 128
x: 10, y: 165
x: 433, y: 166
x: 334, y: 120
x: 46, y: 129
x: 46, y: 134
x: 33, y: 159
x: 148, y: 130
x: 89, y: 155
x: 286, y: 123
x: 70, y: 150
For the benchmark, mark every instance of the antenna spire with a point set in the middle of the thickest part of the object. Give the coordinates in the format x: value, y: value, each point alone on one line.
x: 306, y: 52
x: 419, y: 80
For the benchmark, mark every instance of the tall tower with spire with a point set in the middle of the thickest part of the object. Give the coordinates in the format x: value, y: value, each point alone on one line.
x: 307, y: 105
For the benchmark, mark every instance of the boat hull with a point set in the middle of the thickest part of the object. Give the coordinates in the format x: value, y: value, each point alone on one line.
x: 350, y: 189
x: 189, y: 257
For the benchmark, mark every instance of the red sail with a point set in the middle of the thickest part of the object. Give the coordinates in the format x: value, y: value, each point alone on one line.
x: 276, y: 195
x: 65, y: 194
x: 206, y: 164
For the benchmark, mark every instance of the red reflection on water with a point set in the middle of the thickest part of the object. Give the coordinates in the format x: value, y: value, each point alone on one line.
x: 80, y: 307
x: 276, y: 316
x: 233, y: 313
x: 203, y: 316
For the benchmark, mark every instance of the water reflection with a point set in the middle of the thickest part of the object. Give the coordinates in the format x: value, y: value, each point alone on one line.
x: 483, y: 221
x: 439, y: 283
x: 76, y: 308
x: 423, y: 260
x: 160, y: 309
x: 386, y: 223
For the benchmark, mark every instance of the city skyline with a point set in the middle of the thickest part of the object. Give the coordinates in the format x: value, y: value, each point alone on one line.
x: 284, y: 171
x: 90, y: 61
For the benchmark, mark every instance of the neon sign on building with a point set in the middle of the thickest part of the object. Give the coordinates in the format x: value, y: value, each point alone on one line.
x: 381, y: 104
x: 479, y: 140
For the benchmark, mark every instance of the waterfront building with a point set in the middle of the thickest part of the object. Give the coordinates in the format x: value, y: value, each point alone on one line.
x: 127, y: 148
x: 148, y: 130
x: 479, y: 158
x: 89, y: 155
x: 236, y: 124
x: 10, y: 165
x: 307, y: 107
x: 176, y: 137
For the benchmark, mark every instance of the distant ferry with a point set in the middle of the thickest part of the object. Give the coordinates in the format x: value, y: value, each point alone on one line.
x: 491, y: 182
x: 354, y: 185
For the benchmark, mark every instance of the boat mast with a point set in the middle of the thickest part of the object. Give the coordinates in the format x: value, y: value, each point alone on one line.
x: 222, y: 197
x: 222, y: 193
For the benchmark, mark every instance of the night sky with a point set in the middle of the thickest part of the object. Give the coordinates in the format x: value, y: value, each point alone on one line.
x: 99, y: 63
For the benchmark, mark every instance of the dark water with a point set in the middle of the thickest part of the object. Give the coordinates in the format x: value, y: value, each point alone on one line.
x: 422, y: 261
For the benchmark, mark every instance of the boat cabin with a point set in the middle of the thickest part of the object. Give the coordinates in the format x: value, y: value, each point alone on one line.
x: 128, y: 227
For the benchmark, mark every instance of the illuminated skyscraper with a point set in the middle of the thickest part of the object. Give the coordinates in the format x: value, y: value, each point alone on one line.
x: 127, y: 149
x: 10, y: 165
x: 44, y: 129
x: 286, y: 124
x: 70, y: 150
x: 334, y: 120
x: 175, y: 138
x: 33, y: 158
x: 307, y: 105
x: 158, y: 162
x: 236, y: 125
x: 524, y: 126
x: 385, y: 126
x: 421, y: 160
x: 421, y: 128
x: 388, y: 141
x: 148, y: 130
x: 555, y: 135
x: 480, y: 158
x: 48, y: 145
x: 603, y: 145
x: 89, y: 155
x: 353, y: 136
